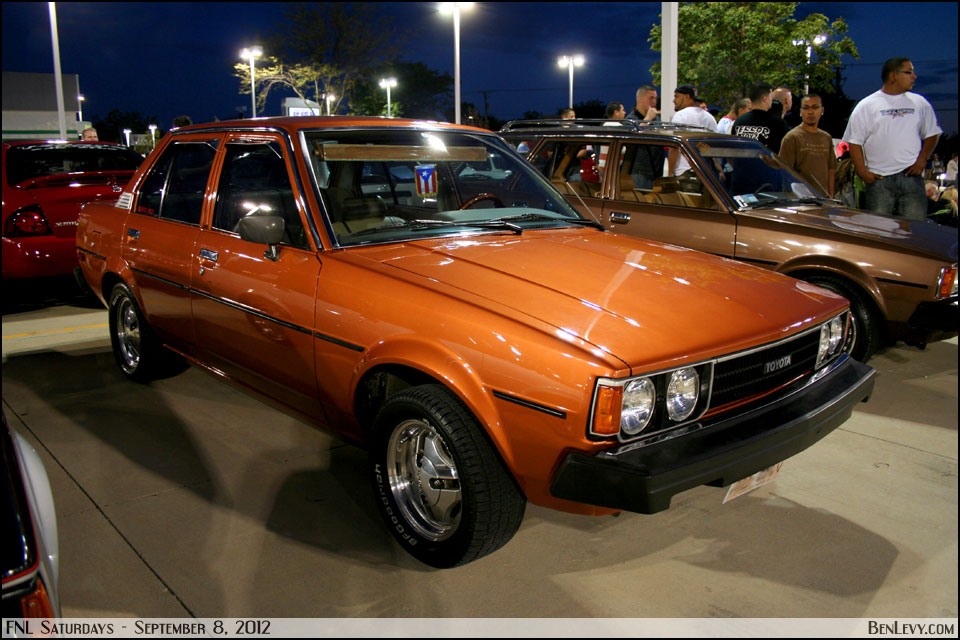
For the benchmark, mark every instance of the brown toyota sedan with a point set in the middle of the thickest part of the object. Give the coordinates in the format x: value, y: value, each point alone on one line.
x: 740, y: 201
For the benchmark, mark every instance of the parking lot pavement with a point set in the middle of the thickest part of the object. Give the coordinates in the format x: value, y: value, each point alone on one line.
x: 185, y: 497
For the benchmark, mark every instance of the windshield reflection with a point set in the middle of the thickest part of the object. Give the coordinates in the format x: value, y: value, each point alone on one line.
x: 753, y: 176
x: 386, y: 186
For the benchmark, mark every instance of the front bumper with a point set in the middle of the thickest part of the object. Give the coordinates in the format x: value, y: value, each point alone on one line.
x: 940, y: 316
x: 644, y: 479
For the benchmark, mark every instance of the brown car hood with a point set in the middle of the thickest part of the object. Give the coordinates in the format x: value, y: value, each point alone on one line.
x: 923, y: 237
x: 648, y: 304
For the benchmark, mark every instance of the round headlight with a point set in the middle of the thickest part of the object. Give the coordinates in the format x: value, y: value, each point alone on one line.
x: 682, y: 393
x: 836, y: 333
x: 639, y: 400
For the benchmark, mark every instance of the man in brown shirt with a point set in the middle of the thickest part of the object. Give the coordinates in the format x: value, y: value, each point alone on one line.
x: 809, y: 149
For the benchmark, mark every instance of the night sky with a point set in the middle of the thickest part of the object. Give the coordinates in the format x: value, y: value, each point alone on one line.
x: 167, y: 59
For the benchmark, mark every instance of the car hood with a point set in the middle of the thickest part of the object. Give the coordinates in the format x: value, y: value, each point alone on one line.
x: 920, y: 236
x: 645, y: 303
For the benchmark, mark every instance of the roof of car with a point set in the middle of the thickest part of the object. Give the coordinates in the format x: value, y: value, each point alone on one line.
x: 37, y: 141
x: 603, y: 126
x: 293, y: 123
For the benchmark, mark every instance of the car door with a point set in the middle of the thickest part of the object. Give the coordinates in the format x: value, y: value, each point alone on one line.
x: 160, y: 236
x: 253, y: 312
x: 681, y: 210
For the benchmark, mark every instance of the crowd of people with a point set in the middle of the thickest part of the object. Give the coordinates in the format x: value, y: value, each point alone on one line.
x: 889, y: 141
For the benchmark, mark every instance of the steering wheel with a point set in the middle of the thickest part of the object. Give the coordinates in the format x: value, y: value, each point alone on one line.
x: 483, y: 196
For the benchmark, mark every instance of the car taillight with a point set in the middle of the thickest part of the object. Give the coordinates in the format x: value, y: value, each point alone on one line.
x: 26, y: 222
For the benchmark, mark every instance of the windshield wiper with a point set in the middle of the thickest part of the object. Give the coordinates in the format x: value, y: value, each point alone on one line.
x: 416, y: 225
x: 782, y: 201
x: 525, y: 217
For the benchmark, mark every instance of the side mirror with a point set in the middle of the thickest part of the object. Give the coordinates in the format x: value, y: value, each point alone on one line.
x: 268, y: 230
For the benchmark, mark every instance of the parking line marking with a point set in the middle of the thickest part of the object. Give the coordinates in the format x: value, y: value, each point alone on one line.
x: 52, y: 331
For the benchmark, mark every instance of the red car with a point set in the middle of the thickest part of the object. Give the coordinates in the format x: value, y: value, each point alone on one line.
x: 45, y: 184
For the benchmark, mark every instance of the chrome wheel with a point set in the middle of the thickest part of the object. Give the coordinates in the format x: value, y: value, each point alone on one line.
x: 127, y: 328
x: 423, y: 479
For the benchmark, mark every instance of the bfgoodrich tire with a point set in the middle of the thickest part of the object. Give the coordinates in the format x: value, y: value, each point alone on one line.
x: 136, y: 348
x: 440, y: 486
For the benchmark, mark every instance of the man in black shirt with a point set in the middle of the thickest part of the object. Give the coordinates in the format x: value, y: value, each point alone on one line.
x: 759, y: 123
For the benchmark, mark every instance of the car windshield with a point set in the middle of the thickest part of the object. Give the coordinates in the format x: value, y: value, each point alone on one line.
x: 29, y: 161
x: 397, y: 185
x: 752, y: 175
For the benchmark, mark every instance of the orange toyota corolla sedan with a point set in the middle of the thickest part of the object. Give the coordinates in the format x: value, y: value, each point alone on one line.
x: 484, y: 342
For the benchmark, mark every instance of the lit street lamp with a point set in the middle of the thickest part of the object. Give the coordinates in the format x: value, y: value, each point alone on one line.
x: 126, y: 135
x: 817, y: 40
x: 153, y: 135
x: 331, y: 98
x: 80, y: 100
x: 387, y: 83
x: 251, y: 54
x: 570, y: 62
x: 454, y: 8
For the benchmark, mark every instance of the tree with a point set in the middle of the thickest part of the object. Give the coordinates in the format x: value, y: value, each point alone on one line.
x: 306, y: 80
x: 110, y: 128
x: 725, y: 47
x: 336, y: 44
x: 593, y: 108
x: 421, y: 92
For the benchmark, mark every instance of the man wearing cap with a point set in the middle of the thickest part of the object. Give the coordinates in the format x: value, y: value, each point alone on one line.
x: 759, y: 123
x: 688, y: 111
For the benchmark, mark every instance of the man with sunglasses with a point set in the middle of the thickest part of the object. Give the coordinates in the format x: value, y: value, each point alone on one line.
x: 891, y: 134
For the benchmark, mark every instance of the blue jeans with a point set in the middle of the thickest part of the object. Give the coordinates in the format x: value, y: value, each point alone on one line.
x: 899, y: 195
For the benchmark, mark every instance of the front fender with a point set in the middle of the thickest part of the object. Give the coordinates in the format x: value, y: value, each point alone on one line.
x: 447, y: 366
x: 799, y: 266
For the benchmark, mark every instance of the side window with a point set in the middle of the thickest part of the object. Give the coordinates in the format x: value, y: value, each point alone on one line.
x: 572, y: 167
x: 254, y: 181
x: 642, y: 180
x: 175, y: 186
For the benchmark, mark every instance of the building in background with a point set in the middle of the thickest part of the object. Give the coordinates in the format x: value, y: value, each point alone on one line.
x: 30, y: 106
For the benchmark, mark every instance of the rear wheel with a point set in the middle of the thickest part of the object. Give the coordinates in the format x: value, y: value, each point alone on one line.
x: 440, y: 486
x: 136, y: 348
x: 865, y: 335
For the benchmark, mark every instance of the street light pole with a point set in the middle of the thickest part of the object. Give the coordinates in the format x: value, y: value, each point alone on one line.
x: 570, y: 62
x: 252, y: 53
x: 80, y: 100
x: 454, y: 7
x: 817, y: 40
x: 330, y: 98
x: 387, y: 83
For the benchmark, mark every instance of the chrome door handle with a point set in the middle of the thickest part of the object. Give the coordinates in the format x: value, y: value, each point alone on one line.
x: 206, y: 254
x: 617, y: 217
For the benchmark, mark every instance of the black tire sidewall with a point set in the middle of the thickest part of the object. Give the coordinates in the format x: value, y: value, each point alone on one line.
x: 139, y: 372
x: 476, y: 463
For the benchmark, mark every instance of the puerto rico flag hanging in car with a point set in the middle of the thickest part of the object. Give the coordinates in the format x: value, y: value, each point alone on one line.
x: 427, y: 180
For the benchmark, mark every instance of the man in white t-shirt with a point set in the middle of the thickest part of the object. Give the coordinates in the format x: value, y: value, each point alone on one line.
x: 891, y: 134
x: 688, y: 111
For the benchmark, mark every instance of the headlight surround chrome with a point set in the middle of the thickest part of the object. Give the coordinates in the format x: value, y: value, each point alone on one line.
x: 648, y: 406
x: 832, y: 335
x: 639, y: 402
x: 683, y: 391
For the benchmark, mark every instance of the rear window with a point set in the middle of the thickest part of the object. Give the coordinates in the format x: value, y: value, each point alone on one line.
x: 25, y: 162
